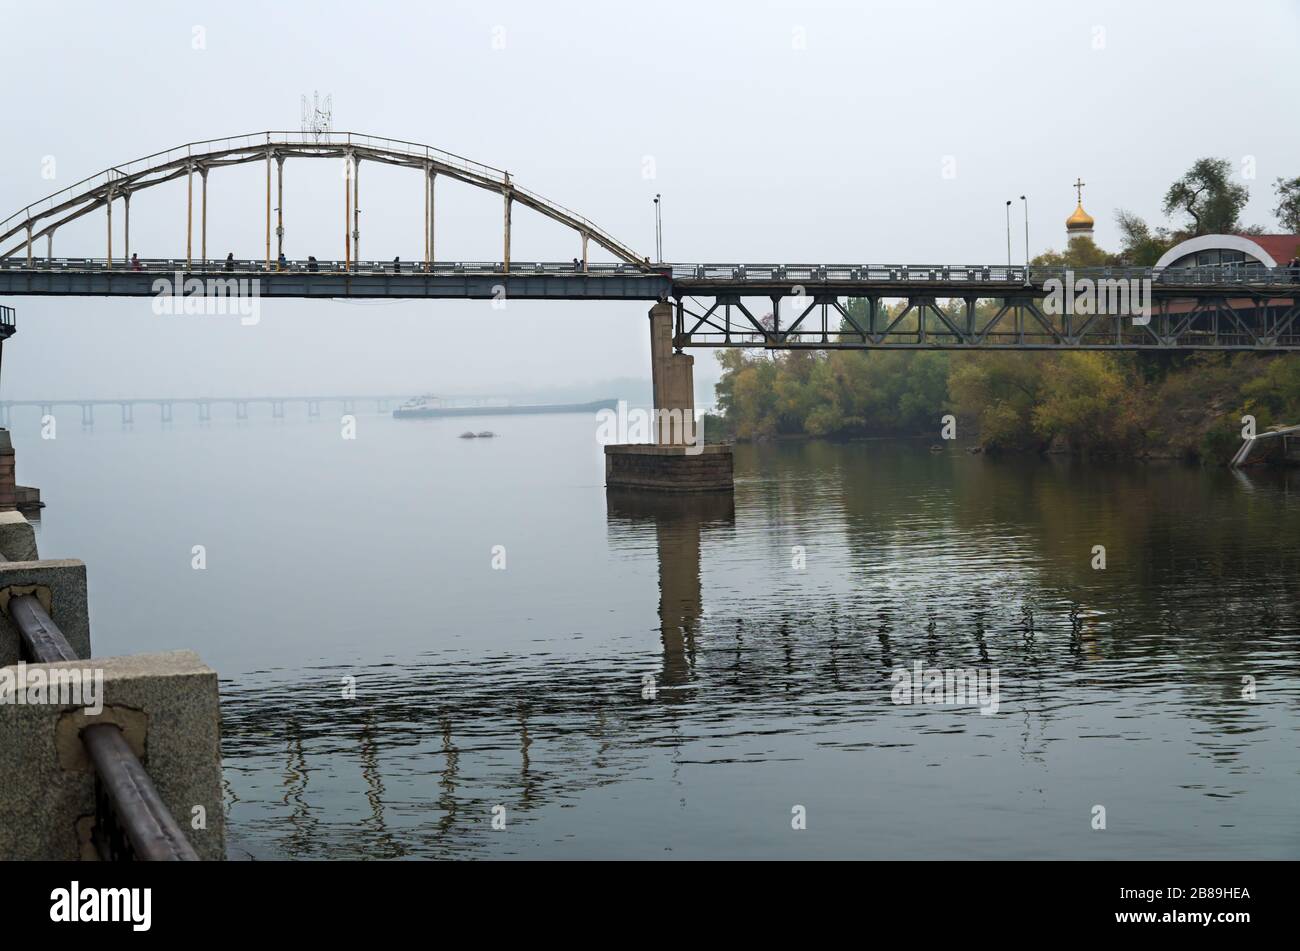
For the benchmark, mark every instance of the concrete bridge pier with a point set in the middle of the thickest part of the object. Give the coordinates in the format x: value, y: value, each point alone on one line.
x: 677, y: 460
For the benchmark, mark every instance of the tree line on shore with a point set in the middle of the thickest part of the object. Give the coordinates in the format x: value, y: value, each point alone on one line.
x: 1088, y: 402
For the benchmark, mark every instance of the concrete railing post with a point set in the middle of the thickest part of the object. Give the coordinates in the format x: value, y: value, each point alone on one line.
x: 8, y: 484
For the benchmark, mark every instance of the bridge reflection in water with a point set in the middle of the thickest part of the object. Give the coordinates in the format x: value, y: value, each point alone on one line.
x: 1123, y: 683
x: 679, y: 522
x: 426, y: 716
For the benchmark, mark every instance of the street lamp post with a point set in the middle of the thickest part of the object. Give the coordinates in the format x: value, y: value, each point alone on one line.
x: 1008, y: 232
x: 659, y: 234
x: 1026, y: 201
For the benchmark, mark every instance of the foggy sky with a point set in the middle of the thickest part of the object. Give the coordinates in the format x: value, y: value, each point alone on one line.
x: 789, y: 132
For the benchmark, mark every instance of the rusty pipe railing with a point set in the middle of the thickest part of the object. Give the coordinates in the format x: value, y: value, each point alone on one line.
x: 132, y: 823
x: 42, y: 640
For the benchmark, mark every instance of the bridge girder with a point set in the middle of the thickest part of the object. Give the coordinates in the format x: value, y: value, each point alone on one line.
x: 994, y: 319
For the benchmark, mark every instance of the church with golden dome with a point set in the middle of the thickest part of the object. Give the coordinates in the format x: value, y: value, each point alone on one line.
x: 1080, y: 223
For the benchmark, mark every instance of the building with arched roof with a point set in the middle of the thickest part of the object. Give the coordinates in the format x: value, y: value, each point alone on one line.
x: 1236, y: 250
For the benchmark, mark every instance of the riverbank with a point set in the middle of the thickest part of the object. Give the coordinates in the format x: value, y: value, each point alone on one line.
x: 1189, y: 406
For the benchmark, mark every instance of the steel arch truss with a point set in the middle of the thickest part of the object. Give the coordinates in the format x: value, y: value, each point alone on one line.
x: 43, y: 218
x: 1008, y: 321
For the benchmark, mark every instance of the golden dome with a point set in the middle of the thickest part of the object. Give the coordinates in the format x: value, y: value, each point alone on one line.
x: 1079, y: 221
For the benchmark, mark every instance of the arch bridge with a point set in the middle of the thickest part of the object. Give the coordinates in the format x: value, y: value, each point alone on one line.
x: 779, y: 306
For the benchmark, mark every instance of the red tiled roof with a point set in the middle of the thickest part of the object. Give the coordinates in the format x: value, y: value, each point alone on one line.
x: 1282, y: 247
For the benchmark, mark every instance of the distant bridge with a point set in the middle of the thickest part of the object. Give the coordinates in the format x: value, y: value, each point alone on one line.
x: 944, y: 306
x: 203, y: 404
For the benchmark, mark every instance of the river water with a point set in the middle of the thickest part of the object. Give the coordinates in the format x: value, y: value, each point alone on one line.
x: 636, y: 677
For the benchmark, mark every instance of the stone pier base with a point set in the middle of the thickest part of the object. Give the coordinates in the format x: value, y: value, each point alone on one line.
x: 669, y: 468
x: 676, y: 461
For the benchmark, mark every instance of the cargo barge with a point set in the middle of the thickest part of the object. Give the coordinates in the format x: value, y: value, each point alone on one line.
x: 424, y: 407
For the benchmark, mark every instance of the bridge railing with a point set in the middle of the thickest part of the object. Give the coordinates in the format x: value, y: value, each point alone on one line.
x: 806, y: 275
x: 976, y: 274
x: 165, y: 267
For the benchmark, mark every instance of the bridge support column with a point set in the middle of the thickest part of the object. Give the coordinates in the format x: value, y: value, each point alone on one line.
x: 356, y: 210
x: 673, y: 376
x: 189, y: 216
x: 203, y: 218
x: 108, y: 206
x: 430, y: 180
x: 269, y: 155
x: 677, y: 460
x: 508, y: 200
x: 279, y: 211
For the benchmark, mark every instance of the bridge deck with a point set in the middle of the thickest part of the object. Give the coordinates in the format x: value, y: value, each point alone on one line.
x: 1219, y: 308
x: 563, y: 281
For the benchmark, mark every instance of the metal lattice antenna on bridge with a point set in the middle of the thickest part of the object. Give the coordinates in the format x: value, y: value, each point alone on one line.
x: 318, y: 116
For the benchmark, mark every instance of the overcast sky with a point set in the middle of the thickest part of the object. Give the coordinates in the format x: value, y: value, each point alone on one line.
x: 796, y: 132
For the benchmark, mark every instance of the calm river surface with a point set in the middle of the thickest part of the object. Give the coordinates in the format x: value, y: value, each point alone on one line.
x: 525, y: 688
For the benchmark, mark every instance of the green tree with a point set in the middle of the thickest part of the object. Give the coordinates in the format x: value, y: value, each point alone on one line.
x: 1207, y: 196
x: 1080, y: 251
x: 1140, y: 246
x: 1288, y: 204
x: 999, y: 390
x: 1086, y: 399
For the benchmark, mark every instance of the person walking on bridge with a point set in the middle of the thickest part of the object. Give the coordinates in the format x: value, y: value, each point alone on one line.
x: 230, y: 261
